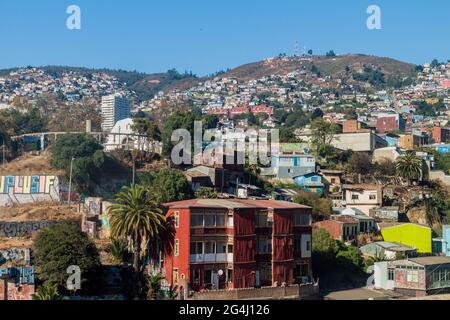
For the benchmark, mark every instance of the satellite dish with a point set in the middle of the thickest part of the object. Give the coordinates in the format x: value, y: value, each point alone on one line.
x: 220, y: 272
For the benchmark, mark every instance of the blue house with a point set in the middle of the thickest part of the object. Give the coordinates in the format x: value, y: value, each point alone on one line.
x: 287, y: 167
x: 391, y: 139
x: 311, y: 182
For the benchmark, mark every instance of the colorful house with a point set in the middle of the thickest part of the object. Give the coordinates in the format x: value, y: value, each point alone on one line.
x: 311, y: 182
x: 408, y: 234
x: 287, y: 167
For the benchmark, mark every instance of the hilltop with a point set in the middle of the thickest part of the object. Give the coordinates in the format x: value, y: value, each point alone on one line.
x: 330, y: 66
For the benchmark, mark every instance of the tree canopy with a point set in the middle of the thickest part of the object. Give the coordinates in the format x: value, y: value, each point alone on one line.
x: 89, y: 159
x: 167, y: 185
x: 63, y: 245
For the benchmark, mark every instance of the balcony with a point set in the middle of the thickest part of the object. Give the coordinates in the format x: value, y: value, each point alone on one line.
x: 211, y: 258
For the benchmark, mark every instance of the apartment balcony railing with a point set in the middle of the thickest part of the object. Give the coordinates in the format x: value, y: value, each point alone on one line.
x: 212, y: 258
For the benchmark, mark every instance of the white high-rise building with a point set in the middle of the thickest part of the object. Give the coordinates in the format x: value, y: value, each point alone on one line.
x: 114, y: 108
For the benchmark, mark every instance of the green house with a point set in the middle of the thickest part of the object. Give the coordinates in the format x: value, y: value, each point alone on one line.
x: 408, y: 234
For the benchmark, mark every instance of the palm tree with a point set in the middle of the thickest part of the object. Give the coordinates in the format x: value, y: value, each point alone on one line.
x: 48, y: 292
x: 137, y: 218
x: 154, y: 285
x: 118, y: 251
x: 409, y: 167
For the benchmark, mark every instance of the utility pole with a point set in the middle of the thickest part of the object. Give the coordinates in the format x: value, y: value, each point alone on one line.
x: 70, y: 181
x: 3, y: 147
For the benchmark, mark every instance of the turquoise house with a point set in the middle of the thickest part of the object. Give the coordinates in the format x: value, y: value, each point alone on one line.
x: 311, y: 182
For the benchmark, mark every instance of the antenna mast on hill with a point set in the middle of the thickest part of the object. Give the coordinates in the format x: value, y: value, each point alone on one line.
x: 296, y: 49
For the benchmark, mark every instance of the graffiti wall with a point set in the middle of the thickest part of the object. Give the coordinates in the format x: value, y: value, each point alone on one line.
x: 28, y: 189
x: 22, y: 229
x: 15, y: 256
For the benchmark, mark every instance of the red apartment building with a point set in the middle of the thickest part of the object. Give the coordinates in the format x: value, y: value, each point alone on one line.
x: 231, y: 243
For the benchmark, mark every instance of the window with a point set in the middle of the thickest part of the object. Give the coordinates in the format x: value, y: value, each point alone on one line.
x: 196, y: 220
x: 176, y: 249
x: 230, y: 249
x: 196, y: 276
x: 177, y: 219
x: 301, y: 270
x: 355, y: 197
x: 308, y: 245
x: 373, y: 197
x: 412, y: 276
x: 196, y: 247
x: 221, y: 247
x: 230, y: 275
x: 391, y: 274
x: 175, y: 275
x: 333, y: 180
x: 210, y: 247
x: 210, y: 220
x: 297, y: 243
x: 208, y: 277
x: 264, y: 245
x: 220, y: 220
x: 263, y: 219
x: 301, y: 219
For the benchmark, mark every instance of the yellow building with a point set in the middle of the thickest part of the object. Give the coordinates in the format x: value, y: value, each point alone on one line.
x: 408, y: 234
x: 409, y: 141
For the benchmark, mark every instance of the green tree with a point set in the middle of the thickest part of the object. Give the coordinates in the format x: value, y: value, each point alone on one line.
x: 89, y: 159
x: 443, y: 162
x: 323, y: 133
x: 118, y: 251
x: 287, y: 136
x: 48, y: 292
x: 317, y: 113
x: 63, y: 245
x: 167, y: 185
x: 137, y: 217
x: 321, y: 207
x: 177, y: 120
x: 409, y: 167
x: 147, y: 128
x: 360, y: 163
x: 19, y: 123
x: 206, y: 193
x: 154, y: 286
x: 324, y: 251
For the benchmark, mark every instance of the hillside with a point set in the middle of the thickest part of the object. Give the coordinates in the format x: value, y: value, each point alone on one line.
x: 344, y: 66
x: 331, y: 66
x: 145, y: 85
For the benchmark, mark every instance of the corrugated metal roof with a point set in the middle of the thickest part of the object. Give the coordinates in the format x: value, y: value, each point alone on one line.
x: 234, y: 204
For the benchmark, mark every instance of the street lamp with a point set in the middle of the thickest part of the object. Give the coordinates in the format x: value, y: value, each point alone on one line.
x: 70, y: 180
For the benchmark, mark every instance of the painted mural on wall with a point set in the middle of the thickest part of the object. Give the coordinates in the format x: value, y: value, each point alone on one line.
x: 22, y: 229
x: 28, y: 189
x: 22, y: 275
x: 15, y: 255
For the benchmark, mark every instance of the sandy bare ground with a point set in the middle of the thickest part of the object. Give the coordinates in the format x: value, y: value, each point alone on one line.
x: 30, y: 164
x: 39, y: 211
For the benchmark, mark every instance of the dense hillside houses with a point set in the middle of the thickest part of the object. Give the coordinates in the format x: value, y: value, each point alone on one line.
x: 358, y: 182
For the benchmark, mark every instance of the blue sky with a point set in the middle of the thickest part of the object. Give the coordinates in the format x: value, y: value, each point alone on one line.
x: 208, y: 35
